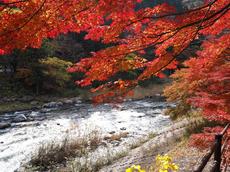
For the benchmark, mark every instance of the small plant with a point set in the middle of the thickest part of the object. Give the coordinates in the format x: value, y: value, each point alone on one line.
x: 164, y: 163
x: 134, y: 168
x: 78, y: 145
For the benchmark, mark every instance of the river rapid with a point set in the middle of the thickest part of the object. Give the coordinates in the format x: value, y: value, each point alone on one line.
x: 22, y: 139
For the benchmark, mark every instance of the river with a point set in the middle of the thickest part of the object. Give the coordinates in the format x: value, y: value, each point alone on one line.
x: 22, y: 139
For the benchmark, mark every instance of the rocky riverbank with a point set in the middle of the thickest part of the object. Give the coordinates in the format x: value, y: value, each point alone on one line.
x: 19, y: 113
x: 43, y: 105
x: 13, y: 104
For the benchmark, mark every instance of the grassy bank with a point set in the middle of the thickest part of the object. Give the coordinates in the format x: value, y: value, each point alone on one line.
x: 20, y: 102
x: 16, y: 106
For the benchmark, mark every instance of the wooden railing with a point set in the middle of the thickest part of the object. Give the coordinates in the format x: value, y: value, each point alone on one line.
x: 217, y: 149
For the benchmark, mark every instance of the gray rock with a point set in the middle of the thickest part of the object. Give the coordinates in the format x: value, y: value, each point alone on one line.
x: 4, y: 125
x: 59, y: 104
x: 192, y: 4
x: 30, y: 119
x: 52, y: 105
x: 6, y: 99
x: 45, y: 110
x: 122, y: 128
x: 157, y: 111
x: 112, y: 132
x: 37, y: 124
x: 25, y: 112
x: 20, y: 118
x: 68, y: 101
x: 34, y: 103
x: 26, y: 99
x: 14, y: 99
x: 49, y: 105
x: 77, y: 100
x: 34, y: 114
x: 115, y: 143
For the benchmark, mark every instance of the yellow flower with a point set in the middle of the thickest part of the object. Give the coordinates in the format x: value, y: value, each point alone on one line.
x: 164, y: 163
x: 134, y: 168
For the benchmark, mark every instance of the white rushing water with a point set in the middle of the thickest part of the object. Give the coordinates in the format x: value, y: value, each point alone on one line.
x: 18, y: 143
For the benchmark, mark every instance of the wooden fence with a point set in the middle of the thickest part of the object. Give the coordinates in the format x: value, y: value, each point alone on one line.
x: 217, y: 149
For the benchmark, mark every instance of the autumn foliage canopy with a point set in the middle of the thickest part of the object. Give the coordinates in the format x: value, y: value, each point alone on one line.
x: 118, y: 23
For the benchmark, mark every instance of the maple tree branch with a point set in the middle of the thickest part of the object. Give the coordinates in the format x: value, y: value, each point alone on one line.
x: 216, y: 19
x: 36, y: 12
x: 180, y: 13
x: 224, y: 9
x: 199, y: 27
x: 168, y: 15
x: 172, y: 14
x: 185, y: 12
x: 181, y: 51
x: 175, y: 32
x: 29, y: 19
x: 201, y: 21
x: 44, y: 22
x: 174, y: 57
x: 209, y: 17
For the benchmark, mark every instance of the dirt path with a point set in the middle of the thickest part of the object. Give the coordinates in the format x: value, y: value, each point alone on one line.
x: 161, y: 144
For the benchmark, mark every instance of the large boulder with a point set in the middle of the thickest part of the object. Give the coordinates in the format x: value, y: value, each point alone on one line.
x: 20, y: 118
x: 4, y: 125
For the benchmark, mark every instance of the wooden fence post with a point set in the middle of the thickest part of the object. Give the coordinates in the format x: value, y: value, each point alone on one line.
x: 217, y: 153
